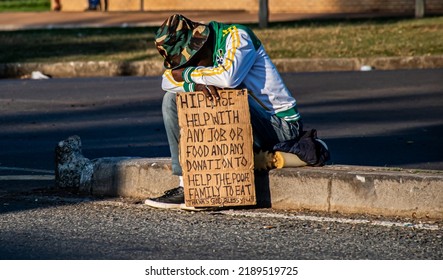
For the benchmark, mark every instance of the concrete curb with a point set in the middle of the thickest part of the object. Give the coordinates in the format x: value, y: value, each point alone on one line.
x: 361, y: 190
x: 343, y: 189
x: 82, y: 69
x: 155, y: 68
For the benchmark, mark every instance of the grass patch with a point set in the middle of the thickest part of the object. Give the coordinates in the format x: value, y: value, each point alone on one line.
x: 379, y: 38
x: 305, y: 39
x: 111, y: 44
x: 24, y: 5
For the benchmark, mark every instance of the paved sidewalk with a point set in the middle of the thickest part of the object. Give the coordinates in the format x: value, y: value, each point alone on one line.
x: 44, y: 20
x: 47, y: 20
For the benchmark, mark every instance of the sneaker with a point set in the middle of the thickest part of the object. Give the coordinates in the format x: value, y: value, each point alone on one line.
x: 171, y: 199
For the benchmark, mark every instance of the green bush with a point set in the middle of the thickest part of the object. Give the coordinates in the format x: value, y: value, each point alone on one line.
x: 24, y: 5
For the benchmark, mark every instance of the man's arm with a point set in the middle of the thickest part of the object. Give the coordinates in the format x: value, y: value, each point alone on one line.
x: 170, y: 83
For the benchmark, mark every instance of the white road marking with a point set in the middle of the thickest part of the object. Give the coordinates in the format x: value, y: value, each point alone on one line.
x: 27, y: 177
x: 336, y: 220
x: 26, y: 169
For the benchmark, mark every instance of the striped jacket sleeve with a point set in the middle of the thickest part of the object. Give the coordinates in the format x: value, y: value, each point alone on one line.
x: 238, y: 59
x: 171, y: 85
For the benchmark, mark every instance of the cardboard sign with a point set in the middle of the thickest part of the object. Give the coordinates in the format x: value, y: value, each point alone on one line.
x: 216, y: 149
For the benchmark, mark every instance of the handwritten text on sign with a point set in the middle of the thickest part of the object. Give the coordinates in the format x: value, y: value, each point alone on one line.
x: 216, y: 149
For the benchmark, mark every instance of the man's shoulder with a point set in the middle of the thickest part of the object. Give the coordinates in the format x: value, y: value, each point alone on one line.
x: 233, y: 28
x: 225, y: 28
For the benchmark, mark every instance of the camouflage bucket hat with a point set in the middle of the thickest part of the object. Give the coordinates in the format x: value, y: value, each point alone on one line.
x: 178, y: 39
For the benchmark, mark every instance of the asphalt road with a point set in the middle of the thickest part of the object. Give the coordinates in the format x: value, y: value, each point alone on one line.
x: 367, y: 118
x: 379, y: 118
x: 43, y: 226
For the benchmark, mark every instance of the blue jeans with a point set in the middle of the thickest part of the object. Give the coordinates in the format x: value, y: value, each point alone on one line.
x: 267, y: 129
x: 93, y: 3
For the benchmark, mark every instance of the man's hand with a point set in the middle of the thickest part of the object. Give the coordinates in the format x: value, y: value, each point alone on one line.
x: 209, y: 91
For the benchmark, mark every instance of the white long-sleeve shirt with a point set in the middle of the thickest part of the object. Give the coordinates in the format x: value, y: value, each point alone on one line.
x: 240, y: 61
